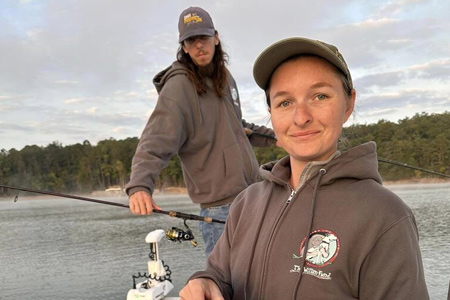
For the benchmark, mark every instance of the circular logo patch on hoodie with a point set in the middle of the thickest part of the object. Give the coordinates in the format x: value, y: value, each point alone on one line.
x: 234, y: 95
x: 323, y: 248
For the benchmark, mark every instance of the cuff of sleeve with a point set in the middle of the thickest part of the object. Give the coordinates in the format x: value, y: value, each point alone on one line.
x: 131, y: 191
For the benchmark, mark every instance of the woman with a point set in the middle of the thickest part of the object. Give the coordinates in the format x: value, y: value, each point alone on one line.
x: 320, y: 225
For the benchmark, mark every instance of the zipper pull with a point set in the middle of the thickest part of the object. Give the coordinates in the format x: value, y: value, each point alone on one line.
x: 290, y: 197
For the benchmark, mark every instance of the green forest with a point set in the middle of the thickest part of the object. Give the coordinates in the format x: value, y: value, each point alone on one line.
x: 421, y: 141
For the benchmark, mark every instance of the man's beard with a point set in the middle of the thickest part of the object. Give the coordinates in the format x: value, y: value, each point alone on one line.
x: 207, y: 71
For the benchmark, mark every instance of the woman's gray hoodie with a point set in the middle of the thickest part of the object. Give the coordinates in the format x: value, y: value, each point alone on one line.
x: 363, y: 239
x: 207, y: 132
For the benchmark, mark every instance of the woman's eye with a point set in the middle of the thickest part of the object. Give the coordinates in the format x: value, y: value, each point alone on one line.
x: 321, y: 97
x: 284, y: 103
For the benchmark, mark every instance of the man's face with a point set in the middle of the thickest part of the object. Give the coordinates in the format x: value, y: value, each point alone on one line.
x: 201, y: 48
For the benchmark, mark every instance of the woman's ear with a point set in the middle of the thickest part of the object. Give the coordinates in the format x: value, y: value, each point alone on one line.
x: 350, y: 105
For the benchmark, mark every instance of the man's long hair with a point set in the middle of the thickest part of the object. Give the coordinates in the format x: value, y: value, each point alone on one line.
x: 218, y: 72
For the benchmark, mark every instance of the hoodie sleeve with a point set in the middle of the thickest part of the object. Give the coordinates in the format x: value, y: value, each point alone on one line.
x: 393, y: 269
x: 162, y: 137
x: 255, y: 139
x: 261, y: 136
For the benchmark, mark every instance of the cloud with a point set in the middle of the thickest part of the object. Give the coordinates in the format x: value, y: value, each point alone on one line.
x: 67, y: 82
x: 83, y: 69
x: 92, y: 110
x: 118, y: 130
x: 4, y: 98
x: 395, y: 7
x: 381, y: 80
x: 75, y: 100
x: 439, y: 70
x: 396, y: 107
x: 6, y: 127
x: 406, y: 99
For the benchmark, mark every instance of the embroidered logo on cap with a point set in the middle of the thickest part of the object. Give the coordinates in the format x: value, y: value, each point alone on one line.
x: 192, y: 18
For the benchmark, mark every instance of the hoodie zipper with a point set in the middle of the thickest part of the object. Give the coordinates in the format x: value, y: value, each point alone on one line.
x: 288, y: 201
x: 290, y: 196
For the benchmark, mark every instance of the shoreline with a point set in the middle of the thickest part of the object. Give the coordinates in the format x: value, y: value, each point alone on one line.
x: 424, y: 182
x: 417, y: 181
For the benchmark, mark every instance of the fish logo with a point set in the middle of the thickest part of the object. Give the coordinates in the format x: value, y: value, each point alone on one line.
x: 323, y: 248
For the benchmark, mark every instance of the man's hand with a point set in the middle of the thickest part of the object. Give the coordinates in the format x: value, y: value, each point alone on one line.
x: 201, y: 289
x: 141, y: 203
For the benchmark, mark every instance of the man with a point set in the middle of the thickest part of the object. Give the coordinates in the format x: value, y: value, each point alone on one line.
x: 198, y: 116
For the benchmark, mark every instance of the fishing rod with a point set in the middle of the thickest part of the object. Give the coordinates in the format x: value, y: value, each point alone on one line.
x: 393, y: 162
x: 173, y: 214
x: 250, y: 132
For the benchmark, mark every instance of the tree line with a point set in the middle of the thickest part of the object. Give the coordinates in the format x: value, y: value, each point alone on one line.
x: 422, y: 141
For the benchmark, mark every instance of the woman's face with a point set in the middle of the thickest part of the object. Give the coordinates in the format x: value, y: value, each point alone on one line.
x: 308, y: 107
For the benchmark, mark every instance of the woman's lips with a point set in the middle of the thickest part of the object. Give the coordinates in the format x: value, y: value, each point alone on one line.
x: 304, y: 134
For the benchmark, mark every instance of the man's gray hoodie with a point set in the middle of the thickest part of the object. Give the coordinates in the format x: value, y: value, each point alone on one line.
x: 207, y: 132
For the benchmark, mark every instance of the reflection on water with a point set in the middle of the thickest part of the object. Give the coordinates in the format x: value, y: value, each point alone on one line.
x: 57, y: 248
x: 431, y: 206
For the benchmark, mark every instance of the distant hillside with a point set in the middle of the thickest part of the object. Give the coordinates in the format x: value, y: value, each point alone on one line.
x: 423, y: 141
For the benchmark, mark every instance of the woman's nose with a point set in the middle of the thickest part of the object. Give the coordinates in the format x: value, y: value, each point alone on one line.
x: 302, y: 115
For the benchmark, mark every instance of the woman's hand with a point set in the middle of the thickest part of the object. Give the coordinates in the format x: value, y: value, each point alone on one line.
x: 201, y: 289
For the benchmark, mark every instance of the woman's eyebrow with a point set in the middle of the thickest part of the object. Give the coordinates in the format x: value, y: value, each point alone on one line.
x: 321, y: 84
x: 280, y: 93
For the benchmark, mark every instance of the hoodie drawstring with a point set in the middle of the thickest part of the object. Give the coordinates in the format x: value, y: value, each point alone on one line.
x: 311, y: 219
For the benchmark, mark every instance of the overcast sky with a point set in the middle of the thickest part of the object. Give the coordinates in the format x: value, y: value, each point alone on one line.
x: 82, y: 69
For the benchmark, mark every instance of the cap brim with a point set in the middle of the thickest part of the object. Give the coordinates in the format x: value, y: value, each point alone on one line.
x: 274, y: 55
x: 198, y: 31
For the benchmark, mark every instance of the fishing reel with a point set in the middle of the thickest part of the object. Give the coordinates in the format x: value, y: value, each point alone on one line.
x: 179, y: 235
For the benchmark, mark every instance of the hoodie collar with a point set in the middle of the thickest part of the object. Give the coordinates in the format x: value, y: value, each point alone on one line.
x: 360, y: 163
x: 312, y: 168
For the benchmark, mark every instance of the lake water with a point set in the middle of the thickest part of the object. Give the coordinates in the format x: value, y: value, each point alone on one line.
x: 55, y: 248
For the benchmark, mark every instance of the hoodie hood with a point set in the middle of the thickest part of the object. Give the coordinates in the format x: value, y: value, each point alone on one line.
x: 356, y: 167
x: 162, y: 77
x: 160, y: 80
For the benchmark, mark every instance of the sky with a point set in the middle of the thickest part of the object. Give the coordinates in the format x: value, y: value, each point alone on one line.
x: 76, y: 70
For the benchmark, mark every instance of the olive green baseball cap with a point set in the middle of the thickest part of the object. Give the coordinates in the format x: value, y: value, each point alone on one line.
x: 269, y: 60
